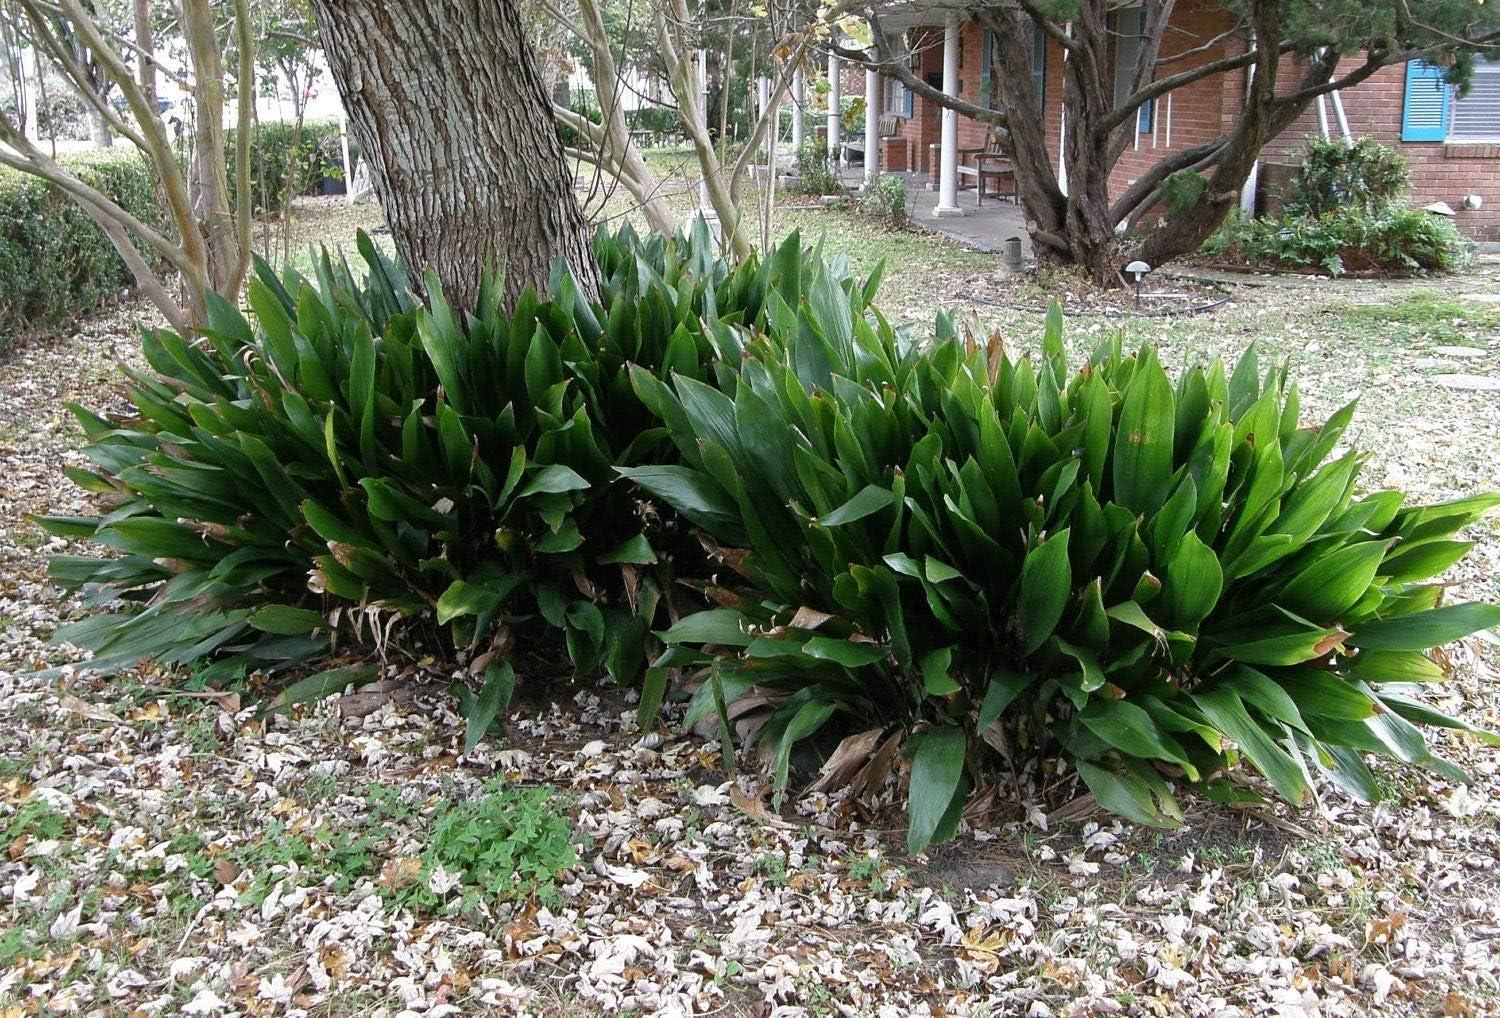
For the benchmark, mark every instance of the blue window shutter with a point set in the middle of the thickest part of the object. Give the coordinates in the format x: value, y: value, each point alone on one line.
x: 906, y: 101
x: 1130, y: 26
x: 1424, y: 112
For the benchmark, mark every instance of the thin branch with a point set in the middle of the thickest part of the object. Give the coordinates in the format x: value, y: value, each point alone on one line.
x: 1161, y: 86
x: 1159, y: 171
x: 1046, y: 24
x: 1372, y: 64
x: 772, y: 111
x: 1213, y: 43
x: 893, y: 62
x: 78, y: 75
x: 121, y: 39
x: 245, y: 103
x: 154, y: 131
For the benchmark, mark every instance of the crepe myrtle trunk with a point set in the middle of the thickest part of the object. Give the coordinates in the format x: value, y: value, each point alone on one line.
x: 447, y: 104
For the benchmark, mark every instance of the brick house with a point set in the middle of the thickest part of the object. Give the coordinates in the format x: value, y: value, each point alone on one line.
x: 1451, y: 144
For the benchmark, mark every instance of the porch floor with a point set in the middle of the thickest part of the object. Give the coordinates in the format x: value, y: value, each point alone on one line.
x: 985, y: 228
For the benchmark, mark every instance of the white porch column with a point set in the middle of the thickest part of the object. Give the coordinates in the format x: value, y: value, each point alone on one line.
x: 799, y: 110
x: 872, y: 127
x: 833, y: 111
x: 948, y: 163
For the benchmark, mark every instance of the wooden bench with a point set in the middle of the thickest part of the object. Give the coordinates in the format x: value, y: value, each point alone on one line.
x: 989, y: 166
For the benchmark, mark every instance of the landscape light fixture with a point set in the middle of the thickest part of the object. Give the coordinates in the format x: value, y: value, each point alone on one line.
x: 1137, y: 269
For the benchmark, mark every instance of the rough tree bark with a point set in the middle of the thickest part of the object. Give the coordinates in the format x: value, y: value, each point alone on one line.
x: 447, y: 104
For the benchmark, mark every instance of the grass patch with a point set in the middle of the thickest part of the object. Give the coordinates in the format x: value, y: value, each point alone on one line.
x: 1421, y: 314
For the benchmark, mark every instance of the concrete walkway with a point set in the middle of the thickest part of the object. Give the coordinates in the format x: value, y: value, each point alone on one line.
x: 985, y: 228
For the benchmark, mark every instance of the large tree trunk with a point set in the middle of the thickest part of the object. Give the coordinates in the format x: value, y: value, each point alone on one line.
x: 446, y: 102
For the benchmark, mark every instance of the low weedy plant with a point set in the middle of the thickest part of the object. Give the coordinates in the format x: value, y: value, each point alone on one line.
x: 510, y: 845
x: 886, y: 203
x: 1388, y: 241
x: 967, y: 559
x: 353, y: 466
x: 1345, y: 212
x: 815, y: 174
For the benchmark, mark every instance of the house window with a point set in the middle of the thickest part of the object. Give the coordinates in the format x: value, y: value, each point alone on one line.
x: 896, y: 98
x: 1476, y: 116
x: 1431, y: 109
x: 1130, y: 31
x: 989, y: 91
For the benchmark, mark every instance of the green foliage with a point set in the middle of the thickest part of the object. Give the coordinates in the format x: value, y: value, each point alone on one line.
x: 359, y: 465
x: 814, y: 173
x: 654, y: 125
x: 55, y: 263
x: 323, y: 854
x: 1339, y: 176
x: 1391, y: 241
x: 1157, y: 582
x: 1344, y: 213
x: 1160, y: 585
x: 1182, y: 191
x: 287, y: 161
x: 886, y: 203
x: 509, y: 846
x: 63, y: 113
x: 33, y: 818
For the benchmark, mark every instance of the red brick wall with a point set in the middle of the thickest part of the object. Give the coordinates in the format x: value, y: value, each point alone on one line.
x: 1190, y: 115
x: 1205, y: 109
x: 1439, y: 171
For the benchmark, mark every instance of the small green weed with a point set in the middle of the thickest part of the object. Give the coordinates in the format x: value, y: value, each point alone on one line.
x: 869, y: 869
x: 36, y: 818
x: 322, y: 854
x: 507, y: 846
x: 1425, y: 312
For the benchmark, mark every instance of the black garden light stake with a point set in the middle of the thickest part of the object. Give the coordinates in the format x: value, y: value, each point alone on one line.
x: 1137, y: 269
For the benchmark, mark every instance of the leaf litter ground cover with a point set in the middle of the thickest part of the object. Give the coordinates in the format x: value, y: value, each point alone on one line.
x: 162, y: 853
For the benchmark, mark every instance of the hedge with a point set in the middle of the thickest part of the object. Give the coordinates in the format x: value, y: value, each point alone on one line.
x: 317, y: 150
x: 55, y: 263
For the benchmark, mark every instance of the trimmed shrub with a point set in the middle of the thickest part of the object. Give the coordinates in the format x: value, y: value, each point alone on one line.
x: 284, y: 164
x: 55, y: 263
x: 1391, y: 241
x: 985, y: 559
x: 1339, y: 176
